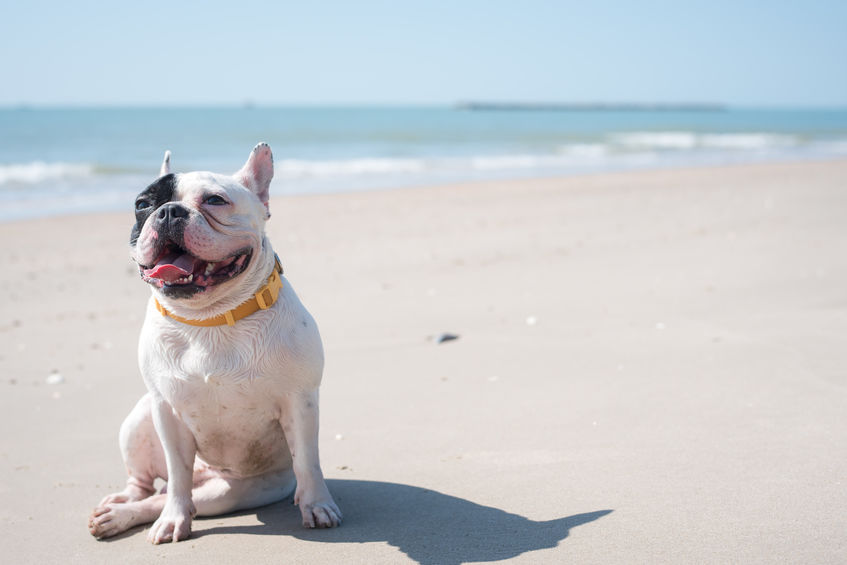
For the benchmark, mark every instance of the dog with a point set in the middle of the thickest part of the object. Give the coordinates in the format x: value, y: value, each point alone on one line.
x: 231, y: 359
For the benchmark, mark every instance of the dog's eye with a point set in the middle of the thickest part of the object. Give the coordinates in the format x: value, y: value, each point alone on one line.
x: 141, y: 205
x: 215, y: 200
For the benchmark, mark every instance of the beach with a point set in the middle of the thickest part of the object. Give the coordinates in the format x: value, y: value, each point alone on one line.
x: 650, y: 368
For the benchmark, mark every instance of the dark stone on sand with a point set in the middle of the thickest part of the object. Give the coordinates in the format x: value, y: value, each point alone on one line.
x: 441, y: 338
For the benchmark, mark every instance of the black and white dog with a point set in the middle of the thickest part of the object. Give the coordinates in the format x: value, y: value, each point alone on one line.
x: 231, y: 359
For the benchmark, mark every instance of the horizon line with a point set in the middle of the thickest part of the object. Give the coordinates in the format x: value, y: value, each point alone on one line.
x: 462, y: 105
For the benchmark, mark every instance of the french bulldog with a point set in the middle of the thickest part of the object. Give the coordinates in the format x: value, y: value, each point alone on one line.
x: 231, y: 361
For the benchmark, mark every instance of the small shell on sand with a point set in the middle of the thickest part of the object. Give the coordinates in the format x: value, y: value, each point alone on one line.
x: 54, y: 379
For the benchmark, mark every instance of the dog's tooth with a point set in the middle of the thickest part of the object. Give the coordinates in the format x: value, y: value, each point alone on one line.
x: 209, y: 268
x: 191, y: 277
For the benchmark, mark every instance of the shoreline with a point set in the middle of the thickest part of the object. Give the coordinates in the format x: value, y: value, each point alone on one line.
x: 477, y: 182
x: 650, y: 368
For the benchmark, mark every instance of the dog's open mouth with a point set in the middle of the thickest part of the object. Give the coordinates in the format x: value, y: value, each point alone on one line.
x: 176, y: 267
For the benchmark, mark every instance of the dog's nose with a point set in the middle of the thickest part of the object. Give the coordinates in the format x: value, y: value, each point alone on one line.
x: 171, y: 211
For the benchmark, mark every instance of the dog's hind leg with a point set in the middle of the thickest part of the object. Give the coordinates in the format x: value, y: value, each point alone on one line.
x: 212, y: 494
x: 113, y: 518
x: 215, y: 494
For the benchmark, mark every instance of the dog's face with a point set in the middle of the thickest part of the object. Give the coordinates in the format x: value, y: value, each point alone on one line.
x: 196, y: 233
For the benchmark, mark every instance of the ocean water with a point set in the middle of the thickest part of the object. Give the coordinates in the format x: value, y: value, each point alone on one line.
x: 61, y: 161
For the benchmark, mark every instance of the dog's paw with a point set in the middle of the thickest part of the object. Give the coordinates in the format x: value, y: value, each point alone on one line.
x: 317, y: 507
x: 110, y: 519
x: 173, y: 524
x: 323, y: 514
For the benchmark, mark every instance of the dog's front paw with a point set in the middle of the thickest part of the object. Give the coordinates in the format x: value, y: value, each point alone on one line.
x: 318, y: 508
x: 173, y: 524
x: 322, y: 514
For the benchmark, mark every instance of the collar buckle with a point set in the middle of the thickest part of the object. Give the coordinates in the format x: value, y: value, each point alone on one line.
x: 272, y: 288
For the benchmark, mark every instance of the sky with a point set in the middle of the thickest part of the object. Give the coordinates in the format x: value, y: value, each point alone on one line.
x: 740, y: 53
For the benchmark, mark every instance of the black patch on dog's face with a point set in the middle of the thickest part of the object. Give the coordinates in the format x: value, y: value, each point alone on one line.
x: 149, y: 200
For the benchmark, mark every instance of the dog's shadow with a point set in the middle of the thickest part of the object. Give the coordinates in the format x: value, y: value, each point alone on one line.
x: 428, y: 526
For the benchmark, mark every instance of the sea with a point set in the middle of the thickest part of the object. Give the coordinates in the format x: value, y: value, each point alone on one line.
x: 74, y: 160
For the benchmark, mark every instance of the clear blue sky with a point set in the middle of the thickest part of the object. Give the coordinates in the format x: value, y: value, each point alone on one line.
x: 362, y: 51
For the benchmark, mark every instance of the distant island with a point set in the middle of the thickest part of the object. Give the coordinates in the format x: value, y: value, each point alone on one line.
x: 589, y: 107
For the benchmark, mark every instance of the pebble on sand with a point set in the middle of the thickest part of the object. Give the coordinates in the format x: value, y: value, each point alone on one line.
x: 441, y: 338
x: 55, y: 378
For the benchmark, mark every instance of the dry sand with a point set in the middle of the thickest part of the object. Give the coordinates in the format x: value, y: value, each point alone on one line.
x: 650, y: 369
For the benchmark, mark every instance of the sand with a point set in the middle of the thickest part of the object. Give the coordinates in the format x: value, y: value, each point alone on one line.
x: 650, y: 369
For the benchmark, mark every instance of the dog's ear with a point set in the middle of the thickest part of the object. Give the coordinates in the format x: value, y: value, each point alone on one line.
x: 165, y: 169
x: 257, y: 172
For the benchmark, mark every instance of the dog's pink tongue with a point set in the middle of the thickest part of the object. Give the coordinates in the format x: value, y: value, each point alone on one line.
x: 172, y: 267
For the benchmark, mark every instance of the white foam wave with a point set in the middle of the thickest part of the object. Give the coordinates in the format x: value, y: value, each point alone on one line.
x: 584, y: 150
x: 39, y: 171
x: 682, y: 140
x: 577, y: 154
x: 747, y: 140
x: 836, y: 147
x: 506, y: 162
x: 656, y: 140
x: 296, y: 168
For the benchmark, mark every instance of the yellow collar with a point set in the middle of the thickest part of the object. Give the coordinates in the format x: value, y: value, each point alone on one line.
x: 262, y: 300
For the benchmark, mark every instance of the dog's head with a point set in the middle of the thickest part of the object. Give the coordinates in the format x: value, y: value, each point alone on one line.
x: 199, y: 237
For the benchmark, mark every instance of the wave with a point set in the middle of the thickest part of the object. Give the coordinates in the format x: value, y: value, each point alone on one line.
x: 295, y: 168
x: 584, y: 150
x: 38, y: 171
x: 611, y: 151
x: 748, y: 141
x: 501, y: 162
x: 682, y: 140
x: 300, y: 169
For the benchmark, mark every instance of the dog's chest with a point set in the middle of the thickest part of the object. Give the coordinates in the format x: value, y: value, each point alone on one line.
x: 277, y: 349
x: 228, y: 384
x: 186, y: 364
x: 223, y: 393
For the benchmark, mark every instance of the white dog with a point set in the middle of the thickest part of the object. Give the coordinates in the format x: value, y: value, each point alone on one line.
x: 231, y: 359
